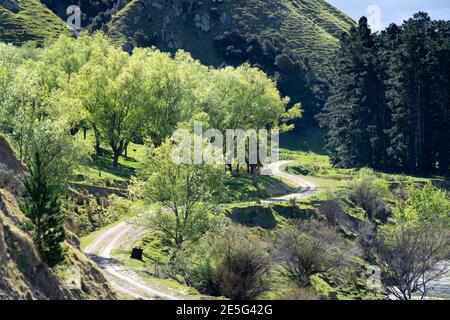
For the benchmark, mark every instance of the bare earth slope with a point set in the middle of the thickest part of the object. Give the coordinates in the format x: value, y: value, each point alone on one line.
x: 23, y: 275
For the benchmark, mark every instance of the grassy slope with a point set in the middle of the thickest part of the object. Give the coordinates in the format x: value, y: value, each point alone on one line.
x: 309, y: 28
x: 100, y: 170
x: 34, y: 22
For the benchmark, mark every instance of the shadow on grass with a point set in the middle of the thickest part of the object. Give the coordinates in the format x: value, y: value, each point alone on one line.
x: 306, y: 139
x: 102, y: 261
x: 105, y: 162
x: 254, y: 216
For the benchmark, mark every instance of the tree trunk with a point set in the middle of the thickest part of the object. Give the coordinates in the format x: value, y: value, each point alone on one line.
x: 126, y: 150
x: 116, y: 158
x: 97, y: 141
x: 84, y: 133
x: 254, y: 172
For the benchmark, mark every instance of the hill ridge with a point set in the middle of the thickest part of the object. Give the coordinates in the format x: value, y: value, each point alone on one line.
x: 28, y: 20
x: 308, y: 28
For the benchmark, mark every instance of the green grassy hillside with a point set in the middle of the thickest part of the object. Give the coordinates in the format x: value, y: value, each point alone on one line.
x: 308, y: 28
x: 33, y: 22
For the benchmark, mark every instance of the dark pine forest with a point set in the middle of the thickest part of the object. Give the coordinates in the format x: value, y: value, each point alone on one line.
x: 390, y: 104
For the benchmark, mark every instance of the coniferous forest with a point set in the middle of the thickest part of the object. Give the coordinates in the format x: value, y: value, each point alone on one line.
x: 390, y: 108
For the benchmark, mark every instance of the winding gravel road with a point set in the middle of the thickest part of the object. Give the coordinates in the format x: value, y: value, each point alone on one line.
x: 303, y: 187
x: 125, y: 234
x: 125, y: 281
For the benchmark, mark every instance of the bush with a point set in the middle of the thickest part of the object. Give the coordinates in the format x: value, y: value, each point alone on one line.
x: 332, y: 210
x: 369, y: 191
x: 414, y: 250
x: 301, y: 294
x: 310, y: 248
x: 305, y: 169
x: 233, y: 264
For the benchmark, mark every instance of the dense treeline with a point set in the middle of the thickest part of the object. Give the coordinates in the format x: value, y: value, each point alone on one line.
x: 390, y: 104
x: 87, y: 83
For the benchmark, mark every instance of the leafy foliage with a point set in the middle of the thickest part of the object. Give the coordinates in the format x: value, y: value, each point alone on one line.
x: 415, y: 250
x: 186, y: 193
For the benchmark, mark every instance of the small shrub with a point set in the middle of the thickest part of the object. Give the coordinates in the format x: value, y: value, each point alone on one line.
x: 369, y: 192
x: 312, y: 247
x: 233, y: 264
x: 82, y: 200
x: 332, y: 210
x: 8, y: 179
x: 98, y: 199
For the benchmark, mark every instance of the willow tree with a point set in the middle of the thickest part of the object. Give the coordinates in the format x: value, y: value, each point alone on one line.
x: 110, y: 88
x: 246, y: 98
x: 186, y: 193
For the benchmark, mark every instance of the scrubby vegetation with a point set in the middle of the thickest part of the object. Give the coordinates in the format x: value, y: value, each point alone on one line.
x: 414, y: 250
x: 312, y: 249
x: 95, y: 14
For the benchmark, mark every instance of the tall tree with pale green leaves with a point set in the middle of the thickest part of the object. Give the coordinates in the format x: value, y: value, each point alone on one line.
x: 187, y: 194
x: 111, y: 90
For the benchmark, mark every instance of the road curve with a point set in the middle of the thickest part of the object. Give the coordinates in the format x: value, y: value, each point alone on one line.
x: 124, y: 281
x: 302, y: 186
x: 124, y: 234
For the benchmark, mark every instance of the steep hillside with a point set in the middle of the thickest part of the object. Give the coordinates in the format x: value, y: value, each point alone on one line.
x: 23, y: 275
x: 308, y: 28
x: 25, y: 20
